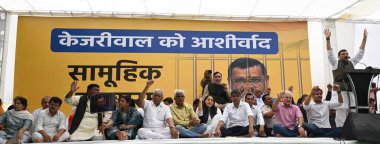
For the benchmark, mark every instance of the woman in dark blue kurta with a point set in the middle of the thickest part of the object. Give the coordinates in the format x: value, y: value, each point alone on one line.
x: 126, y: 120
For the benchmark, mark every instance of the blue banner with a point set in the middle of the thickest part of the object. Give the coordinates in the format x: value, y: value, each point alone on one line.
x: 163, y: 41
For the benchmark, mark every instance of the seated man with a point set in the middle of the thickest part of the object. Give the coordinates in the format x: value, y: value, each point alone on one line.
x: 44, y: 103
x: 318, y: 113
x: 239, y: 117
x: 286, y: 116
x: 185, y: 119
x: 257, y: 115
x: 85, y: 124
x: 156, y: 113
x: 268, y: 114
x: 50, y: 123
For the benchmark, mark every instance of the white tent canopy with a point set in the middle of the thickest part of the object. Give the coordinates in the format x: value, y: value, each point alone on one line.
x: 367, y: 11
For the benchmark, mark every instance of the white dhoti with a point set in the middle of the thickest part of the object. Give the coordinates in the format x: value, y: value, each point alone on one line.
x: 64, y: 136
x: 86, y: 129
x: 211, y: 127
x: 154, y: 133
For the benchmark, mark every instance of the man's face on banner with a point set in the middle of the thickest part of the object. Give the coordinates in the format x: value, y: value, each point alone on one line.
x: 248, y: 80
x: 101, y: 102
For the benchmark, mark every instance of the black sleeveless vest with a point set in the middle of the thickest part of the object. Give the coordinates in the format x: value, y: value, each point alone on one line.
x: 79, y: 114
x: 339, y: 75
x: 219, y: 93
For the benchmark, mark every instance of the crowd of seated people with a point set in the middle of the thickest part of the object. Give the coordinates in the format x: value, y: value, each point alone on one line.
x: 243, y: 108
x: 164, y: 119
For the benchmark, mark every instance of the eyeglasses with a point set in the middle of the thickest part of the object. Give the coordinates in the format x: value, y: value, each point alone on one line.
x: 251, y: 80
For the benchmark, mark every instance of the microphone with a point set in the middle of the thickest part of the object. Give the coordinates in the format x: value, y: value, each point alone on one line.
x: 366, y: 67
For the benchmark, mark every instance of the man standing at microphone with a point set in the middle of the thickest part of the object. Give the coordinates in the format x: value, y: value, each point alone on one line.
x: 339, y: 68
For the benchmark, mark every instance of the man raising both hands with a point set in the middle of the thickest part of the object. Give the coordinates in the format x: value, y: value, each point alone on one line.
x: 339, y: 68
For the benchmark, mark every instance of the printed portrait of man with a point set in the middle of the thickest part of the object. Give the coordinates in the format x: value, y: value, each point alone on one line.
x: 248, y: 75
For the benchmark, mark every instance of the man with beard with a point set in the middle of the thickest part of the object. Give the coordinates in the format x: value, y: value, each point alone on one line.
x: 85, y: 124
x: 338, y: 69
x: 218, y: 90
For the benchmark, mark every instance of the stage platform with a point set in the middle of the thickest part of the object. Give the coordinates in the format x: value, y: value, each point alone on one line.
x: 229, y: 140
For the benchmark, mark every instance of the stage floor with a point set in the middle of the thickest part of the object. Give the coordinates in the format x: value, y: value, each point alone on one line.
x: 229, y: 140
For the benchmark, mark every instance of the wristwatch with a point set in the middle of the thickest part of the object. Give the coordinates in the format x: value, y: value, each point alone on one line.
x: 299, y: 126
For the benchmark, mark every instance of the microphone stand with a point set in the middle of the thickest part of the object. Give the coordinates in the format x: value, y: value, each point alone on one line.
x: 347, y: 91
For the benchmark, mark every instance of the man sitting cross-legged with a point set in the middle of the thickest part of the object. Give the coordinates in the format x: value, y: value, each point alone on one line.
x: 318, y: 113
x: 50, y: 124
x: 287, y: 115
x: 239, y: 116
x: 158, y: 122
x: 186, y: 121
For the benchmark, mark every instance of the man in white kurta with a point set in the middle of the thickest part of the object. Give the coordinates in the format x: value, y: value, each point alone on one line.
x: 158, y: 122
x: 50, y: 123
x: 257, y: 115
x: 239, y: 116
x: 44, y: 105
x: 88, y: 127
x: 154, y: 126
x: 318, y: 113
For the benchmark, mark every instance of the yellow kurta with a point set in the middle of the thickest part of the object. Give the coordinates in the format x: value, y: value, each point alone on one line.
x: 182, y: 116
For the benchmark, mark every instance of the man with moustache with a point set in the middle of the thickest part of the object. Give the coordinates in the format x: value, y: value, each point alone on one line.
x: 339, y: 67
x: 249, y: 76
x: 50, y: 124
x: 85, y: 124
